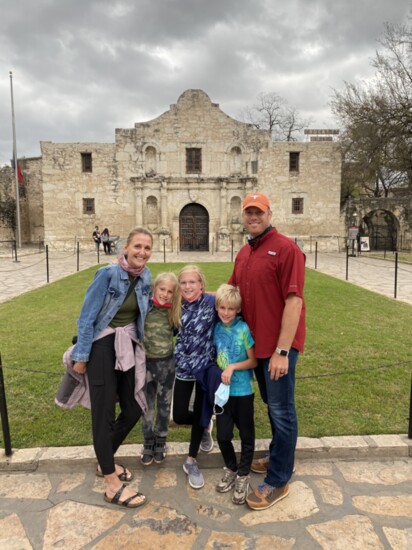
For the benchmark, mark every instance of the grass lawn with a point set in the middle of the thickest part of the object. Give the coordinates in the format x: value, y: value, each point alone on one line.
x: 340, y: 387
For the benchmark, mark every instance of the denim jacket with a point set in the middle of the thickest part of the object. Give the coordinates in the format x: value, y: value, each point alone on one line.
x: 103, y: 300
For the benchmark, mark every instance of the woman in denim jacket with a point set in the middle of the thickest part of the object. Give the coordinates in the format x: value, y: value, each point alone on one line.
x: 110, y: 326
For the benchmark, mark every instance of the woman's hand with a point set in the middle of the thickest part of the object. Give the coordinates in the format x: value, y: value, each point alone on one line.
x: 80, y: 367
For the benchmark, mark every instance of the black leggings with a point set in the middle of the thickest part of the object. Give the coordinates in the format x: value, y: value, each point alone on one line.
x: 181, y: 415
x: 106, y: 386
x: 238, y: 412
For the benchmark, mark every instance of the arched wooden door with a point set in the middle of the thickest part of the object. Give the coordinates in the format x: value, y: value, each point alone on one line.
x: 194, y: 228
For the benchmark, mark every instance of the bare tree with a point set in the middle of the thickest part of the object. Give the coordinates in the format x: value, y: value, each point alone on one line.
x: 272, y: 112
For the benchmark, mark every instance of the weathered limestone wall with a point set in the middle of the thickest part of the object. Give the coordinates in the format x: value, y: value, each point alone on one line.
x: 142, y: 179
x: 32, y: 168
x: 65, y: 186
x: 153, y: 156
x: 318, y: 182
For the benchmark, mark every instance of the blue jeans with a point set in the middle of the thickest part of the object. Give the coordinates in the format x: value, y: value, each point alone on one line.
x: 280, y: 398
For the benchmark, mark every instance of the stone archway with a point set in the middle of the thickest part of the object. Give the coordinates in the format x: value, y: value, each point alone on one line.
x: 382, y: 230
x: 194, y: 228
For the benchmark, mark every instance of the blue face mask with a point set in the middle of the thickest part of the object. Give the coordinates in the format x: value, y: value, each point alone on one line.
x: 221, y: 397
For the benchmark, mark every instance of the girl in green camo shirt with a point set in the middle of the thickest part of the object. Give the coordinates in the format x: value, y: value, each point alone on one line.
x: 161, y: 323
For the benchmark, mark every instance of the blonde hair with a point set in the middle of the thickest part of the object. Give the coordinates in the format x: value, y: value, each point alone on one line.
x: 195, y: 269
x: 175, y: 311
x: 138, y: 231
x: 229, y: 295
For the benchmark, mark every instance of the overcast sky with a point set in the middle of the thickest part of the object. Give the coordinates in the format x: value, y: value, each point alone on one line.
x: 82, y: 68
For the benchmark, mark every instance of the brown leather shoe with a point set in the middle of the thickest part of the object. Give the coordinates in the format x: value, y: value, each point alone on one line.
x: 260, y: 465
x: 266, y: 496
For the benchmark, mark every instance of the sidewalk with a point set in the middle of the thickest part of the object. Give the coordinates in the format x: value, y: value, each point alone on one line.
x: 371, y: 273
x: 30, y: 271
x: 347, y: 492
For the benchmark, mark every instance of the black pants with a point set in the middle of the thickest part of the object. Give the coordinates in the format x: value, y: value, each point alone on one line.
x: 182, y: 415
x: 106, y: 386
x: 238, y: 412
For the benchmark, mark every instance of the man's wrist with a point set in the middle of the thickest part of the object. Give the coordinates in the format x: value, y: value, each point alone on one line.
x: 282, y: 352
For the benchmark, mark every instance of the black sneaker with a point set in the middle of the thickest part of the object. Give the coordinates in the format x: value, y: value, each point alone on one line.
x: 160, y: 450
x: 146, y: 458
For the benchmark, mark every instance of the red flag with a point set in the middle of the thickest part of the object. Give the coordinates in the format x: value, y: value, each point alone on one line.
x: 20, y: 177
x: 19, y: 174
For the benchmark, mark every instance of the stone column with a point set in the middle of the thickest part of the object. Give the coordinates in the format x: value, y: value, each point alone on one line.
x: 163, y: 205
x: 223, y: 205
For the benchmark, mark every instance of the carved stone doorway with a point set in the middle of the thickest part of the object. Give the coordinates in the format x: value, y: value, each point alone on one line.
x: 194, y: 228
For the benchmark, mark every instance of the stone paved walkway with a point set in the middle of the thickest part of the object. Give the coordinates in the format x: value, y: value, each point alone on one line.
x: 347, y: 493
x: 371, y: 273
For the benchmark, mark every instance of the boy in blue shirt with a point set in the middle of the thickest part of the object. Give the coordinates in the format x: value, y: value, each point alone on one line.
x: 235, y: 356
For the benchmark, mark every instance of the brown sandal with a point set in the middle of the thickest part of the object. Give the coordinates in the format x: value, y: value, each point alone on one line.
x: 128, y: 502
x: 123, y: 476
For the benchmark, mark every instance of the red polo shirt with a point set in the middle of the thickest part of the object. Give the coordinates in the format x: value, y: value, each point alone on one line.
x: 266, y: 274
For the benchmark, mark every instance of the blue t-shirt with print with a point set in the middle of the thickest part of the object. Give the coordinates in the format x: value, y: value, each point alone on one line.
x: 232, y: 343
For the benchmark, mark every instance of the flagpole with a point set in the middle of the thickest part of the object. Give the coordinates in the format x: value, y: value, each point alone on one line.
x: 16, y: 168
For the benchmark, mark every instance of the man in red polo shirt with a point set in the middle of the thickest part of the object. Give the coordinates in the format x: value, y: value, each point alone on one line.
x: 270, y: 273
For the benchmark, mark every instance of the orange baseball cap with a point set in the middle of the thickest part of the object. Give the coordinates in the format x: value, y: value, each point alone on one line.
x: 258, y: 200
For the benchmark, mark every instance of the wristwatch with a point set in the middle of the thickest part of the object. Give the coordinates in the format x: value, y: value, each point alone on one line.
x: 284, y: 352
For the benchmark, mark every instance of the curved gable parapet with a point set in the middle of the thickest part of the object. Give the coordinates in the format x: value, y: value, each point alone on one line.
x: 193, y: 96
x: 188, y: 99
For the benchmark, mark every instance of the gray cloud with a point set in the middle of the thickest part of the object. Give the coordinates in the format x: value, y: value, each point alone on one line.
x: 84, y: 67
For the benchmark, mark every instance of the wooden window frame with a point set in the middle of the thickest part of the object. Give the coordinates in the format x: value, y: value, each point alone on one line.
x: 88, y: 206
x: 87, y: 163
x: 294, y: 160
x: 193, y: 160
x: 297, y: 205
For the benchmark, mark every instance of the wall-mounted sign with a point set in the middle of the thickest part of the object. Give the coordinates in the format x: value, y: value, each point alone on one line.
x: 364, y: 244
x: 353, y: 232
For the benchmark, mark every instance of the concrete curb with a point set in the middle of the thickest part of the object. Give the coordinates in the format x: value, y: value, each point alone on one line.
x: 366, y: 447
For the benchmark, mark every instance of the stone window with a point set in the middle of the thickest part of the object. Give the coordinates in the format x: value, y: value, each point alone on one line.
x: 297, y: 206
x: 88, y: 206
x: 236, y: 210
x: 150, y: 161
x: 254, y: 166
x: 235, y: 160
x: 294, y: 161
x: 86, y: 162
x: 152, y: 212
x: 193, y: 160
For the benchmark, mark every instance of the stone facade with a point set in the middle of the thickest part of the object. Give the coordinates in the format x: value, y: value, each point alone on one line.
x: 184, y: 176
